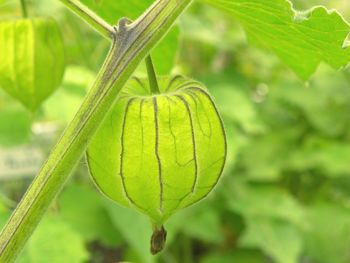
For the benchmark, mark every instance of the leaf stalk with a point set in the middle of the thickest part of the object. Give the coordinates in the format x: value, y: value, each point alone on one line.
x: 90, y: 17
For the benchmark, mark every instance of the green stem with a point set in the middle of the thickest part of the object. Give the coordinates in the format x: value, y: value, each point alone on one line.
x: 90, y: 17
x: 186, y: 249
x: 131, y: 44
x: 152, y: 76
x: 24, y: 8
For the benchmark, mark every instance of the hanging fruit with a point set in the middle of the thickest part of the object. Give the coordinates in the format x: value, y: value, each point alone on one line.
x: 31, y: 59
x: 159, y: 153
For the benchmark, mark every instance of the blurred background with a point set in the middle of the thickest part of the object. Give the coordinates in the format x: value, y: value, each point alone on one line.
x: 285, y: 193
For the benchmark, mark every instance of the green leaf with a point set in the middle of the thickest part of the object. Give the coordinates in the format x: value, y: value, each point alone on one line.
x: 269, y: 154
x: 15, y: 126
x: 56, y: 242
x: 330, y: 157
x: 203, y: 223
x: 302, y: 40
x: 324, y: 104
x: 111, y: 10
x: 199, y: 23
x: 237, y: 256
x: 164, y: 53
x: 243, y: 112
x: 4, y: 215
x: 71, y: 94
x: 272, y: 218
x: 83, y: 209
x: 264, y: 201
x: 135, y: 228
x: 276, y: 238
x: 31, y: 59
x: 327, y: 238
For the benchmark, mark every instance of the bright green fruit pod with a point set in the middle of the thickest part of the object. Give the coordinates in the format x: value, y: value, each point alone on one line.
x: 159, y: 153
x: 31, y: 59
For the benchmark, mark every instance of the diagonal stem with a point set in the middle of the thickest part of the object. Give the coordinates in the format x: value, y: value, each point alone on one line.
x: 95, y: 21
x: 131, y: 44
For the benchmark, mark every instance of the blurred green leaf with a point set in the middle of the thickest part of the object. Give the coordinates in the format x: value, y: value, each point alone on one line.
x: 236, y: 105
x: 32, y: 60
x: 200, y: 21
x: 265, y: 157
x: 252, y: 201
x: 135, y: 228
x: 324, y: 103
x: 54, y: 242
x: 4, y: 215
x: 111, y: 10
x: 2, y: 206
x: 63, y: 105
x: 203, y: 224
x: 83, y: 209
x: 272, y: 219
x: 310, y: 37
x: 237, y: 256
x: 164, y: 54
x: 327, y: 238
x: 15, y: 126
x: 330, y: 157
x: 276, y: 238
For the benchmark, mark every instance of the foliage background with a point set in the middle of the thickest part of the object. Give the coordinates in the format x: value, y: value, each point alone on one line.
x: 285, y: 193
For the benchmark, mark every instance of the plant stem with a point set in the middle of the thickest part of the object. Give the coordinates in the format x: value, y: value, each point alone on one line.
x: 186, y: 249
x: 131, y: 44
x: 90, y: 17
x: 152, y: 76
x: 24, y: 8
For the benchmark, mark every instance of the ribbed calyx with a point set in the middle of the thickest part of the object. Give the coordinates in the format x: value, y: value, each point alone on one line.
x: 159, y: 153
x: 32, y: 59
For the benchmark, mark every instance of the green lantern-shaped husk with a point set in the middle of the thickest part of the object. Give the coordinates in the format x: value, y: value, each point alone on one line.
x: 159, y: 153
x: 32, y: 59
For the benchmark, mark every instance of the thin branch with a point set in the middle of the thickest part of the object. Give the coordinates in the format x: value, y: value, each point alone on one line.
x: 95, y: 21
